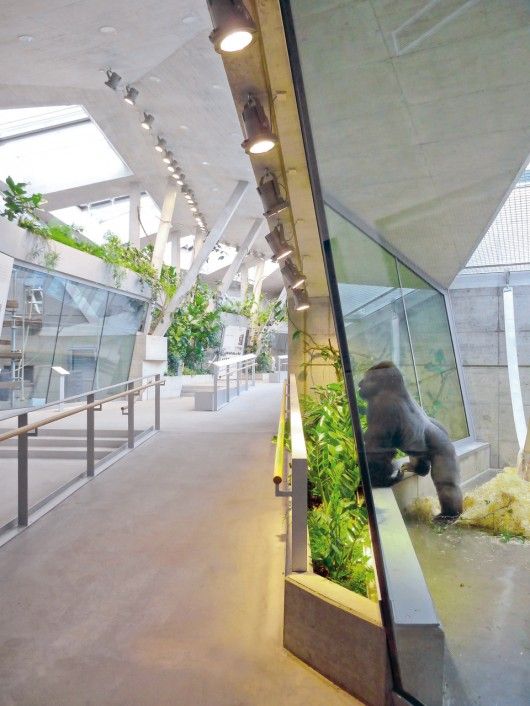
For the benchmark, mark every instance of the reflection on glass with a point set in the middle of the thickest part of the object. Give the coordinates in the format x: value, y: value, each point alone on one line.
x: 28, y: 337
x: 123, y: 318
x: 78, y: 338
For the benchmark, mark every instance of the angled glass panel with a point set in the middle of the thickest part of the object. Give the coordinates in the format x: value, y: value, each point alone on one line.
x: 434, y: 355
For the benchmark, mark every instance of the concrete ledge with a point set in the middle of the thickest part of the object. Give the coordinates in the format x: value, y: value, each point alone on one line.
x: 338, y: 633
x: 474, y: 458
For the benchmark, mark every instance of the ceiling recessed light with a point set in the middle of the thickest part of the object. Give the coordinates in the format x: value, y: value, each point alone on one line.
x: 107, y: 29
x: 216, y: 87
x: 154, y: 79
x: 206, y: 164
x: 189, y: 19
x: 183, y: 127
x: 25, y: 38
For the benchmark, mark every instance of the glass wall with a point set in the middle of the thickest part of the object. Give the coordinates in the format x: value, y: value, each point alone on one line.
x: 54, y: 321
x: 392, y: 314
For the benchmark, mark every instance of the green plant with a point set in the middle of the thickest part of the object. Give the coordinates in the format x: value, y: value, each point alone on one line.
x: 18, y: 203
x: 195, y: 327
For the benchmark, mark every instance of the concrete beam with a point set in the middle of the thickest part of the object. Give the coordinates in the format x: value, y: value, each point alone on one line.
x: 88, y: 193
x: 212, y: 239
x: 233, y: 269
x: 134, y: 215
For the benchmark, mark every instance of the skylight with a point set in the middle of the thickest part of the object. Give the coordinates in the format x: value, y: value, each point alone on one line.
x: 53, y: 149
x: 506, y: 245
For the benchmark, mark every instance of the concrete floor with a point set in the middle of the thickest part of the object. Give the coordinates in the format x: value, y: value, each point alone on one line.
x: 480, y: 587
x: 160, y: 582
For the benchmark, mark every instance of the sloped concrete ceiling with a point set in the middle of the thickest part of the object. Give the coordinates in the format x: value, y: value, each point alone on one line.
x: 420, y: 114
x: 162, y: 48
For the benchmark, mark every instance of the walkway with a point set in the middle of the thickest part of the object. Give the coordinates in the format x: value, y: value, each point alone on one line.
x: 160, y: 582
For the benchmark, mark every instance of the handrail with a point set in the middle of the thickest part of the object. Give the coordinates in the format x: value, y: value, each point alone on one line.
x: 298, y: 490
x: 279, y: 459
x: 234, y: 360
x: 30, y: 410
x: 26, y: 514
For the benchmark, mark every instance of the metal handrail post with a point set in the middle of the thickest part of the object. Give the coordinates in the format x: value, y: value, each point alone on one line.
x: 23, y: 495
x: 228, y: 383
x: 254, y: 372
x: 238, y: 372
x: 130, y: 416
x: 90, y: 437
x: 215, y: 382
x: 246, y: 375
x: 157, y: 403
x: 299, y: 513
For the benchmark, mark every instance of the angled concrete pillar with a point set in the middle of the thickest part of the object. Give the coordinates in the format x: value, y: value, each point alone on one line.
x: 165, y: 224
x: 174, y: 238
x: 198, y: 242
x: 241, y: 254
x: 212, y: 239
x: 134, y: 220
x: 258, y: 283
x: 244, y: 282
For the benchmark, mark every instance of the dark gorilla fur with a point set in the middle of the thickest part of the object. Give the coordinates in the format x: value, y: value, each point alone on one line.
x: 395, y: 422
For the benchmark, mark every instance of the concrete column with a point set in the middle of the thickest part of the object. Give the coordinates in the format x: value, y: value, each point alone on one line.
x: 258, y: 284
x: 174, y: 238
x: 198, y: 242
x: 166, y: 217
x: 134, y: 221
x: 244, y: 282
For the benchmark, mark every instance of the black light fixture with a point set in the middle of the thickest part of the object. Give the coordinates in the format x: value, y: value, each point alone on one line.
x: 259, y: 136
x: 172, y: 166
x: 113, y: 79
x: 233, y: 27
x: 161, y: 144
x: 301, y: 300
x: 292, y: 275
x: 131, y: 95
x: 277, y: 243
x: 148, y: 121
x: 272, y: 200
x: 168, y: 157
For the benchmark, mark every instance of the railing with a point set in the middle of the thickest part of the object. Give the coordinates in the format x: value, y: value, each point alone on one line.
x: 282, y: 363
x: 238, y: 369
x: 290, y: 415
x: 26, y: 429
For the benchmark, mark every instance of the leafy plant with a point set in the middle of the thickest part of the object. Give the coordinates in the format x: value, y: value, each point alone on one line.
x: 195, y: 328
x: 18, y: 203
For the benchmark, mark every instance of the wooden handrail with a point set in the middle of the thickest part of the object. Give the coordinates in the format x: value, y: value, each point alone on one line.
x: 69, y: 413
x: 279, y: 459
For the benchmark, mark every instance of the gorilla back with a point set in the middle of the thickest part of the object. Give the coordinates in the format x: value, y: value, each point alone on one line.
x: 396, y: 421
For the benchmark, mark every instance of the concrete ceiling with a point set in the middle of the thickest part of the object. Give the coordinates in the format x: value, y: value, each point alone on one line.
x: 421, y: 115
x: 162, y: 48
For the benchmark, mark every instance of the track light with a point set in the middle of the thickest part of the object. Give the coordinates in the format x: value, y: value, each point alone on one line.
x: 168, y: 157
x: 131, y: 95
x: 172, y: 167
x: 278, y: 244
x: 301, y: 300
x: 292, y: 275
x: 113, y: 79
x: 259, y: 136
x: 161, y: 144
x: 148, y: 121
x: 234, y: 28
x: 270, y: 194
x: 193, y: 209
x: 176, y: 176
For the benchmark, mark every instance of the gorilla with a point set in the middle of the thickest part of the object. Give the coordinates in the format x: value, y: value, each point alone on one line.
x: 396, y: 421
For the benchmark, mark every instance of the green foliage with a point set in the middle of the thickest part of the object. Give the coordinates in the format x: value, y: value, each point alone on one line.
x: 337, y: 520
x: 18, y: 203
x: 195, y: 328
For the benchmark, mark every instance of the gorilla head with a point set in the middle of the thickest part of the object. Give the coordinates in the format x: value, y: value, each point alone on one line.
x: 381, y: 377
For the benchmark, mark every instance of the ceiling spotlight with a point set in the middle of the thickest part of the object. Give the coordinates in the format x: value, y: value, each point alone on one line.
x: 193, y: 209
x: 278, y: 244
x: 161, y: 144
x: 301, y: 300
x: 172, y: 167
x: 148, y: 121
x: 272, y: 200
x: 131, y: 95
x: 113, y: 79
x: 292, y: 275
x: 258, y: 131
x: 168, y: 157
x: 233, y: 27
